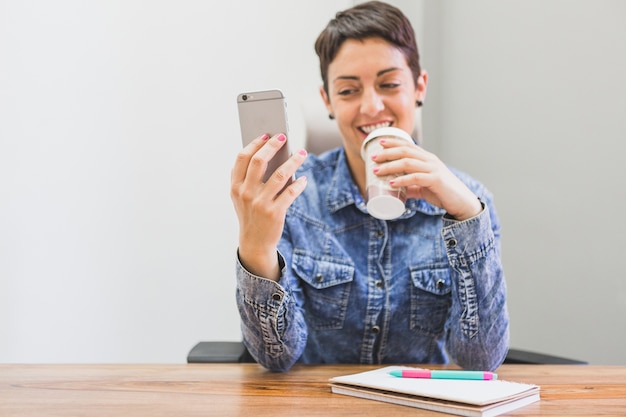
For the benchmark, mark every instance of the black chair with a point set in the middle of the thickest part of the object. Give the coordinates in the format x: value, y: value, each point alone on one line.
x: 233, y: 352
x: 535, y: 358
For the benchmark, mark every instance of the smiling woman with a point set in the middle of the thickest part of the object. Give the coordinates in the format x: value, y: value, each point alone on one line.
x: 319, y: 279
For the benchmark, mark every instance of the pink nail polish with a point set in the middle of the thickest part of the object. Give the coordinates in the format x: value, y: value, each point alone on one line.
x: 282, y: 137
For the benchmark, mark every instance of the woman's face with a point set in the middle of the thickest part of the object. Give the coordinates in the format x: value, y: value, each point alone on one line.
x: 370, y: 85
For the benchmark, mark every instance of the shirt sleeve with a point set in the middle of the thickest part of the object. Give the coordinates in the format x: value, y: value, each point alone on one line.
x: 273, y: 327
x: 478, y: 326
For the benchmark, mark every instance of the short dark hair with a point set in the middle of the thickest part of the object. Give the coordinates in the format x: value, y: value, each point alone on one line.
x: 372, y: 19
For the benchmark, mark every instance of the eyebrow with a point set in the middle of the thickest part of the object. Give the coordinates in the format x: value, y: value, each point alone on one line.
x: 354, y: 77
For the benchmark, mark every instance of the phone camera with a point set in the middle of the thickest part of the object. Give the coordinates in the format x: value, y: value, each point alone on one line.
x: 244, y: 97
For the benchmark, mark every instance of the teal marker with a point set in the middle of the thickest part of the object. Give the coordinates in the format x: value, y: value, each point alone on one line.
x: 444, y: 374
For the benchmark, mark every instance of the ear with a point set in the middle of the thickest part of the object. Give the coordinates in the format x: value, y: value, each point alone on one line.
x: 326, y: 100
x: 420, y: 86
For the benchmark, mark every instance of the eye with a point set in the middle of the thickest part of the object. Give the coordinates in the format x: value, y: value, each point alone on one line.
x: 347, y: 91
x: 390, y: 85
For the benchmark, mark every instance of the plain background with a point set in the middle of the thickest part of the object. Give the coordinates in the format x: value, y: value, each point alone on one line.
x: 118, y: 130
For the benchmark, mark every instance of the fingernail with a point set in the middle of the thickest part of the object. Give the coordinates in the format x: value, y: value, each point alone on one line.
x: 302, y: 152
x: 282, y: 137
x: 265, y: 136
x: 376, y: 169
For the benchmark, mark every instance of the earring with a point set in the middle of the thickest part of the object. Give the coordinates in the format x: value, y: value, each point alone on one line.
x: 419, y: 103
x: 331, y: 117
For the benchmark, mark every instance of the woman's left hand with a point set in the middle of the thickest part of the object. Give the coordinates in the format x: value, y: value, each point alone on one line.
x: 425, y: 176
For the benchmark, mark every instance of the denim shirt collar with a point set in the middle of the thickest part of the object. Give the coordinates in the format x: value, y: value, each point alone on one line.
x: 344, y: 193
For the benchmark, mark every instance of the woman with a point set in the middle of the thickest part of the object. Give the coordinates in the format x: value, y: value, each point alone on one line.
x: 319, y: 280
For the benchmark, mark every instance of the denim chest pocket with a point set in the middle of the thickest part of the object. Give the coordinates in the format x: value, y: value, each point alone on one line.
x: 327, y: 288
x: 430, y: 299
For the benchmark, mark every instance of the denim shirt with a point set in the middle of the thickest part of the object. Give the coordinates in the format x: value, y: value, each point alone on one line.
x: 420, y: 289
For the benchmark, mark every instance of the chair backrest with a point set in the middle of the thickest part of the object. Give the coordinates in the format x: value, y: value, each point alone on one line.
x: 232, y: 352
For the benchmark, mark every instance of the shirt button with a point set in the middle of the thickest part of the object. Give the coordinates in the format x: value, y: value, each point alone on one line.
x: 376, y: 329
x: 277, y: 297
x: 440, y: 283
x: 319, y: 278
x: 379, y: 234
x: 451, y: 243
x: 379, y: 284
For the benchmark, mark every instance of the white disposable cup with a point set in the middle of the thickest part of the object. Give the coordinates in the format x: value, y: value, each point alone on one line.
x: 383, y: 201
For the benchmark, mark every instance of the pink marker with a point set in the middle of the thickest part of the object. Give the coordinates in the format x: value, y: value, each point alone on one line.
x: 444, y: 374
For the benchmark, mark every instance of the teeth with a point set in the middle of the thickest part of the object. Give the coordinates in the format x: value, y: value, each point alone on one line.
x: 370, y: 128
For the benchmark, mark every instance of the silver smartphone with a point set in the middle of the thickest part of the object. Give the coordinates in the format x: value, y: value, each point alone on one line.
x: 264, y: 112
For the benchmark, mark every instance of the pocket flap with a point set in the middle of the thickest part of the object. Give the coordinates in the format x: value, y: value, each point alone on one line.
x: 435, y: 280
x: 322, y: 271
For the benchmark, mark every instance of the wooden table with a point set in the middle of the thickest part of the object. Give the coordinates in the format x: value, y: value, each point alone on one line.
x: 248, y: 390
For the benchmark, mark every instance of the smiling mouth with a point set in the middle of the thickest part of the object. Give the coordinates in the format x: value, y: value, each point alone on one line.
x: 369, y: 128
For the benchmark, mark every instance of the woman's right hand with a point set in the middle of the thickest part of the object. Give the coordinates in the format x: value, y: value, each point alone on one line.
x: 261, y: 207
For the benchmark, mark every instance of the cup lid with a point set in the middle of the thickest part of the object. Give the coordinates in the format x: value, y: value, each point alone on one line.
x: 385, y: 131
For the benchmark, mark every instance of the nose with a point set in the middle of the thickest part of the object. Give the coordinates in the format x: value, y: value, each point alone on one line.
x: 371, y: 102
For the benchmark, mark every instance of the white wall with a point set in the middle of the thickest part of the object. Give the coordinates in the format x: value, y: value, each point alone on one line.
x: 118, y: 129
x: 529, y: 96
x: 117, y: 133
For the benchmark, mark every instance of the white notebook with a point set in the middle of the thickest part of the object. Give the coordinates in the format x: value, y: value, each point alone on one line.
x: 460, y: 397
